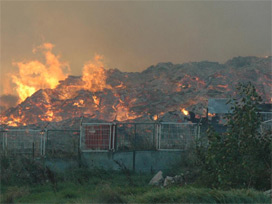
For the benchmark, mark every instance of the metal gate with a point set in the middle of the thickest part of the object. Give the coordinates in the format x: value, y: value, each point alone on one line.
x: 266, y: 129
x: 96, y: 137
x: 137, y: 136
x: 29, y: 142
x: 62, y: 143
x: 176, y: 136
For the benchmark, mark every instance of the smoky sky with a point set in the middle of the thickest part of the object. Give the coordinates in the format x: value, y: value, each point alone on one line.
x: 7, y: 101
x: 134, y: 35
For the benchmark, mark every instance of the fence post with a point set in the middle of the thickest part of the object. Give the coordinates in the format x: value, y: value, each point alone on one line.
x: 44, y: 141
x: 78, y: 149
x: 159, y: 135
x: 113, y: 137
x: 33, y: 150
x: 154, y: 132
x: 80, y: 136
x: 41, y: 143
x: 116, y: 137
x: 134, y: 147
x: 5, y: 143
x: 110, y: 137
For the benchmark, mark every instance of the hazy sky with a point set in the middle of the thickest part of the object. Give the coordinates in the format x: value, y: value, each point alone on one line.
x: 134, y: 35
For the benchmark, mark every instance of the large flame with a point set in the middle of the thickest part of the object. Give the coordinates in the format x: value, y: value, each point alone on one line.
x: 123, y: 113
x: 123, y: 100
x: 94, y: 75
x: 35, y: 75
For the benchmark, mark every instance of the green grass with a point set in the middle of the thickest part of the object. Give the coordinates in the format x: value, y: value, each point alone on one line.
x: 113, y: 187
x: 201, y: 195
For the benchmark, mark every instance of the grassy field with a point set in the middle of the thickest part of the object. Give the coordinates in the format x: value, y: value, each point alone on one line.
x: 114, y: 187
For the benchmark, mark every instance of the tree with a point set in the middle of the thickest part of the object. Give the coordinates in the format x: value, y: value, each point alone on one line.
x: 241, y: 157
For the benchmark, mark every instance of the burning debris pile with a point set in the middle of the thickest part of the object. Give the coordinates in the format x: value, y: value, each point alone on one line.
x: 165, y: 92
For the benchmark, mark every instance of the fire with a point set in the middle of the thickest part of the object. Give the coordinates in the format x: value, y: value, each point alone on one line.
x: 222, y: 86
x: 96, y: 100
x: 125, y: 99
x: 35, y: 75
x: 79, y: 104
x: 121, y: 85
x: 188, y: 81
x: 123, y: 113
x: 184, y: 111
x: 94, y: 75
x: 211, y: 114
x: 12, y: 121
x: 48, y: 116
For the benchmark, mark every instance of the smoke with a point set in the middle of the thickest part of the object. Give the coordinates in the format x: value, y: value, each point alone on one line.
x: 8, y: 101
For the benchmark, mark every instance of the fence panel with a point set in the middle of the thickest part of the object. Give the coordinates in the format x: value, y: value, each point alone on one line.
x: 24, y: 142
x: 266, y: 129
x: 62, y: 143
x: 2, y: 141
x: 135, y: 136
x: 265, y: 116
x: 177, y: 136
x: 96, y: 137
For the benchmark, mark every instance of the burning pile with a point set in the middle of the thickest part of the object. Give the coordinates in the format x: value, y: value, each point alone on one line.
x: 162, y: 92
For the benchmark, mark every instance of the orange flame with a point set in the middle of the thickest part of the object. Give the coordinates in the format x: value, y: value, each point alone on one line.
x: 123, y: 113
x: 184, y: 111
x: 79, y: 104
x: 121, y: 85
x: 96, y: 100
x: 211, y: 114
x: 35, y: 75
x: 48, y: 116
x: 12, y: 121
x: 223, y: 86
x: 94, y: 75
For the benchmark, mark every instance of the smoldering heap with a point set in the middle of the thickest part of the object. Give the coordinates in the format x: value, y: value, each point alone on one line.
x: 164, y: 92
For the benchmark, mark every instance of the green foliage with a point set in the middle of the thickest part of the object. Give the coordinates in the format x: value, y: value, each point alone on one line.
x: 241, y: 157
x: 201, y: 195
x: 107, y: 194
x: 14, y: 193
x: 21, y: 170
x: 118, y: 192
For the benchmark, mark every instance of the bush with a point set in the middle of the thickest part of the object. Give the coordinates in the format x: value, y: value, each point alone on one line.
x: 15, y: 193
x: 241, y: 157
x: 109, y: 195
x: 201, y: 195
x: 21, y: 170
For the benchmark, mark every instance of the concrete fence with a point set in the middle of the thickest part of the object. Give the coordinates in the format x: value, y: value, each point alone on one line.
x: 140, y: 147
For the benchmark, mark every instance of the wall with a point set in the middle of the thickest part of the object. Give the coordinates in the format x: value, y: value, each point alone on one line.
x: 141, y: 161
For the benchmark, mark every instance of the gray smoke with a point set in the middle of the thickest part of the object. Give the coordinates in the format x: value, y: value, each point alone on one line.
x: 8, y: 101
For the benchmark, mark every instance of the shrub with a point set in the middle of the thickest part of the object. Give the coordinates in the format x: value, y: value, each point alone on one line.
x: 15, y: 193
x: 109, y: 195
x: 21, y: 170
x: 201, y: 195
x: 241, y: 157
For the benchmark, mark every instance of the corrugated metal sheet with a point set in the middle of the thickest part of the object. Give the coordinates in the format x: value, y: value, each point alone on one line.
x: 218, y: 105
